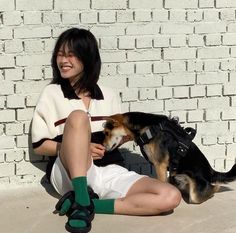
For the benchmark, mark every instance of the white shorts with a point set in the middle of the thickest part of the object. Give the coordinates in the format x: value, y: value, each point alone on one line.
x: 112, y: 181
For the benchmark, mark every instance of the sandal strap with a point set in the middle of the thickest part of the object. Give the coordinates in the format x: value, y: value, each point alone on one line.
x: 78, y: 209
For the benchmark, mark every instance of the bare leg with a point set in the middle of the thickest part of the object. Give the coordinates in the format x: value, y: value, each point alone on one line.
x: 148, y: 196
x: 75, y: 145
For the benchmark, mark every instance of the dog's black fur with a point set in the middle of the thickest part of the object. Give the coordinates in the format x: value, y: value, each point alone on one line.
x: 193, y: 176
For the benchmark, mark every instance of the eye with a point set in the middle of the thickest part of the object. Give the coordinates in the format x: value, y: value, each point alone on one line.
x: 106, y: 133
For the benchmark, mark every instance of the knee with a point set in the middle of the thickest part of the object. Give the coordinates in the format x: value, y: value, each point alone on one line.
x: 78, y: 118
x: 172, y: 198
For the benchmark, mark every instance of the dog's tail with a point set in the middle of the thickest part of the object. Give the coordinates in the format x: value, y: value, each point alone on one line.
x: 224, y: 177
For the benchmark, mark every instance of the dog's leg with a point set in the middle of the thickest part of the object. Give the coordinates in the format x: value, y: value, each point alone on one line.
x: 161, y: 171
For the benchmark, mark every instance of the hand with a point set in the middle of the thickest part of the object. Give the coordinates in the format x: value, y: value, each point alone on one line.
x: 97, y: 151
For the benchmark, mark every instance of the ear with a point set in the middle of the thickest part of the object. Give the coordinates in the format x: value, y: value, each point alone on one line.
x: 110, y: 123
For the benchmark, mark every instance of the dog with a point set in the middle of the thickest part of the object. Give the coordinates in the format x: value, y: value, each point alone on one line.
x: 189, y: 171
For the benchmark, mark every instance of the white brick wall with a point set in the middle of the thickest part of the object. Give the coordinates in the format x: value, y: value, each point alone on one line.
x: 171, y: 57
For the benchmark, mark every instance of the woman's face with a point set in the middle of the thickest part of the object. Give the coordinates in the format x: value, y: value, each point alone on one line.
x: 69, y: 65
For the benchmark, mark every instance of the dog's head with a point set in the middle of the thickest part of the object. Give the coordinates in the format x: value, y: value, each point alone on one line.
x: 116, y: 132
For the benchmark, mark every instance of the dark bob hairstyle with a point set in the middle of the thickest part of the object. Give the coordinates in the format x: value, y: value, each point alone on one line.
x: 84, y: 45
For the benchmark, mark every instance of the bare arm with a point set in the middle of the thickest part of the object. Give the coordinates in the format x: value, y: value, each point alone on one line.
x: 48, y: 147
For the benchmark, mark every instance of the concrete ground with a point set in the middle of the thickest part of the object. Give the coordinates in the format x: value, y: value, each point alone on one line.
x: 29, y: 209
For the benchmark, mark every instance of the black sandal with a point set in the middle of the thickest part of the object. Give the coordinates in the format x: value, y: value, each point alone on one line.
x: 76, y: 215
x: 71, y: 196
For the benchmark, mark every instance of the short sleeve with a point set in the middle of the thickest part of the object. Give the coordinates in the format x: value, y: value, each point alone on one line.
x: 42, y: 124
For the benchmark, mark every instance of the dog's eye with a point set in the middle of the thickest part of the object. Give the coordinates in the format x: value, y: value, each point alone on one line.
x: 106, y: 133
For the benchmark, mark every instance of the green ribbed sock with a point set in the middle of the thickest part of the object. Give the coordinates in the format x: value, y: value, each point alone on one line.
x: 81, y: 197
x: 105, y: 206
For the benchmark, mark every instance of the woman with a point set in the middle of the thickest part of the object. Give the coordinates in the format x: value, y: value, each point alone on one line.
x: 65, y: 107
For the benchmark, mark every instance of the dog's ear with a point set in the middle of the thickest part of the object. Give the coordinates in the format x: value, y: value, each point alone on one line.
x: 110, y: 123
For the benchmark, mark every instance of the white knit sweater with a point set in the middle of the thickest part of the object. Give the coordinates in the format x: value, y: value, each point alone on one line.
x: 52, y: 107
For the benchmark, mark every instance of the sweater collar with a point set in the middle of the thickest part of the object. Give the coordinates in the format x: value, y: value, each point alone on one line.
x: 69, y: 92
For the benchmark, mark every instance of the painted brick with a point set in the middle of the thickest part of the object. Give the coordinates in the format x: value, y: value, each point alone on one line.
x: 108, y: 69
x: 142, y: 15
x: 211, y: 27
x: 111, y: 4
x: 212, y: 78
x: 211, y: 15
x: 33, y: 46
x: 177, y: 28
x: 7, y: 142
x: 229, y: 89
x: 209, y: 140
x: 161, y: 41
x: 229, y: 114
x: 161, y: 67
x: 145, y: 4
x: 86, y: 17
x: 215, y: 52
x: 130, y: 94
x: 7, y: 115
x: 195, y: 40
x: 147, y: 94
x: 7, y: 169
x: 12, y: 18
x: 179, y: 79
x: 107, y: 16
x: 228, y: 65
x: 181, y: 92
x: 178, y: 66
x: 30, y: 87
x: 206, y: 3
x: 33, y: 73
x: 7, y: 5
x: 148, y: 81
x: 126, y: 42
x: 5, y: 33
x: 7, y: 61
x: 22, y: 141
x: 212, y: 114
x: 108, y: 43
x: 197, y: 91
x: 113, y: 56
x: 211, y: 65
x: 144, y: 42
x: 24, y: 114
x: 160, y: 15
x: 229, y: 39
x: 179, y: 53
x: 71, y: 17
x: 195, y: 116
x: 33, y: 60
x: 14, y: 129
x: 34, y: 5
x: 13, y: 46
x: 13, y: 74
x: 143, y: 29
x: 227, y: 14
x: 15, y: 101
x: 6, y: 87
x: 71, y: 5
x: 194, y: 65
x: 27, y: 32
x: 144, y: 55
x: 51, y: 18
x: 24, y: 168
x: 108, y: 30
x: 214, y: 90
x: 126, y: 68
x: 31, y: 100
x: 212, y: 40
x: 225, y: 3
x: 147, y: 106
x: 14, y: 155
x: 194, y: 15
x: 32, y: 17
x: 180, y: 104
x: 164, y: 93
x: 212, y: 128
x: 213, y: 102
x: 178, y: 41
x: 125, y: 16
x: 185, y: 4
x: 143, y: 68
x: 177, y: 15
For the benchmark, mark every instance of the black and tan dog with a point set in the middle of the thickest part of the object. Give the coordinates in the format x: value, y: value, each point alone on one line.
x: 190, y: 172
